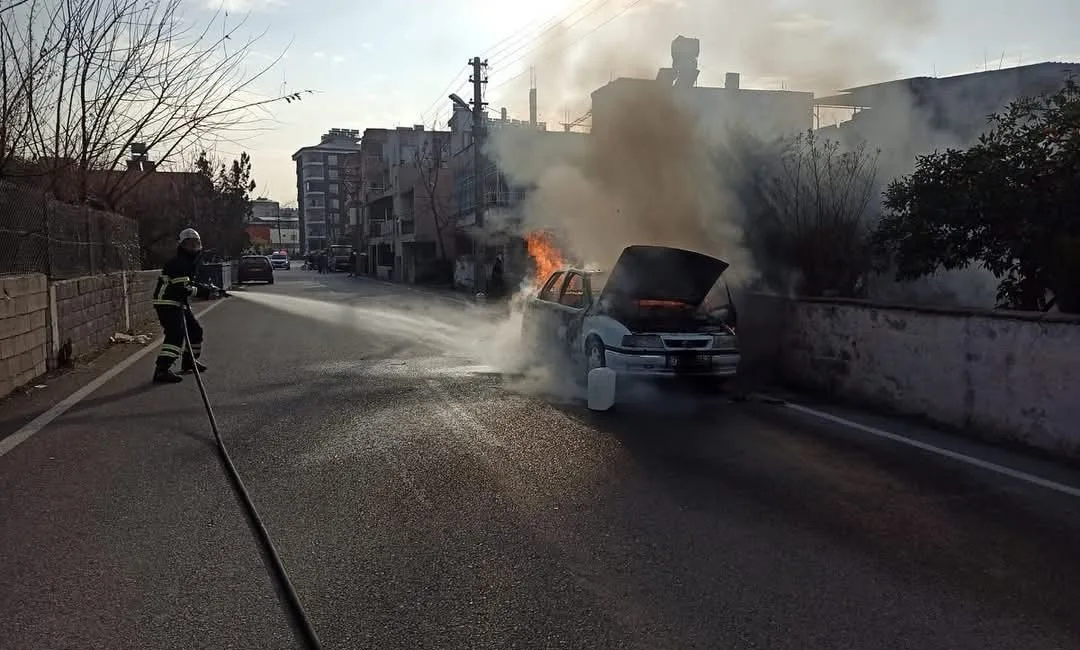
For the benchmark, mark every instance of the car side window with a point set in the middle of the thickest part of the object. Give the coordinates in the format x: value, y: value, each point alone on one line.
x: 573, y: 294
x: 551, y: 290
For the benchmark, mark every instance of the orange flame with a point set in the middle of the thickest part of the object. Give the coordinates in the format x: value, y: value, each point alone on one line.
x: 545, y: 255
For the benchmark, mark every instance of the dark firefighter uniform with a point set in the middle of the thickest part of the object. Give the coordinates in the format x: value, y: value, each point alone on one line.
x: 175, y: 286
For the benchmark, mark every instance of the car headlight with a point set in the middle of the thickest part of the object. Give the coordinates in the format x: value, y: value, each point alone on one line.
x: 642, y: 341
x: 723, y: 340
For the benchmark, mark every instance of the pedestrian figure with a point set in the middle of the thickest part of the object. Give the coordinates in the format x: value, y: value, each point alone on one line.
x: 498, y: 282
x: 175, y: 286
x: 352, y: 264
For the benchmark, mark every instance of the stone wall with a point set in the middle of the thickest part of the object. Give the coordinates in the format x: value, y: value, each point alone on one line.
x: 24, y: 302
x: 43, y: 325
x: 1006, y: 375
x: 90, y: 310
x: 141, y: 286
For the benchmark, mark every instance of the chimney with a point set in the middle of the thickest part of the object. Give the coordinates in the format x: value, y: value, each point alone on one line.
x: 731, y: 81
x: 532, y: 107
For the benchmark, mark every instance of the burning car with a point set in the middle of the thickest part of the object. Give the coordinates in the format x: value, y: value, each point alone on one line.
x: 659, y: 312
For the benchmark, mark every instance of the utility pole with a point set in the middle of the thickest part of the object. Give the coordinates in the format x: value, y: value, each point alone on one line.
x: 478, y: 80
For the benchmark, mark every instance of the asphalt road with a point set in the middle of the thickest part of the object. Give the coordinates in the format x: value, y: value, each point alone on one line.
x: 421, y: 499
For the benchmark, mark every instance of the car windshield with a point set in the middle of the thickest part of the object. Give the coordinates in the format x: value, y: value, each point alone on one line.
x: 717, y: 298
x: 279, y: 256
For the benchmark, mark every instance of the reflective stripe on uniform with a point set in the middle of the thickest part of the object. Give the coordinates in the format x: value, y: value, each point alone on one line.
x: 168, y: 303
x: 170, y: 351
x: 180, y: 280
x: 193, y: 290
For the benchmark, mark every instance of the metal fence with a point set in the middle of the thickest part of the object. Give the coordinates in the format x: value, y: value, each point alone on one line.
x: 40, y: 235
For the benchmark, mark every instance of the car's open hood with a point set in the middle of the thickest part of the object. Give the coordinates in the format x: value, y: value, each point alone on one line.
x: 661, y: 273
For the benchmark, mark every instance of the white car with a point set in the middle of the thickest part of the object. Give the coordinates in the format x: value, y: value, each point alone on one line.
x: 280, y: 261
x: 659, y: 312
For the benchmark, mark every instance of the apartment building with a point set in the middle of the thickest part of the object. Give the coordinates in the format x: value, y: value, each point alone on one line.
x: 403, y: 189
x: 320, y: 190
x: 495, y: 229
x: 908, y: 117
x: 716, y: 110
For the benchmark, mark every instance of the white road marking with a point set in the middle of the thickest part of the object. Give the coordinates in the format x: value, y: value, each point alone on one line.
x: 963, y: 458
x: 46, y: 418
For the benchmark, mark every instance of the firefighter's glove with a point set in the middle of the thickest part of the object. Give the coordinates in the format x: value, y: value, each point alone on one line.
x: 204, y: 291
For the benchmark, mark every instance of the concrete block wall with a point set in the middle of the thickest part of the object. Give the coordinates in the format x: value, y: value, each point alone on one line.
x: 88, y: 311
x: 1007, y: 375
x: 38, y: 319
x: 141, y: 293
x: 24, y: 303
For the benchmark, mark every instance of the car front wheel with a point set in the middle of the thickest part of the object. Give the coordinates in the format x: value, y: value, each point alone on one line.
x: 594, y: 355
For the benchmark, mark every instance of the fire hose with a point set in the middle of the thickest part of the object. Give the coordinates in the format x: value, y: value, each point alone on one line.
x: 296, y: 609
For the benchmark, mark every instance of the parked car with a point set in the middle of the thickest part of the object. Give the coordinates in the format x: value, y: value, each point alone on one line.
x: 255, y: 268
x: 280, y: 261
x: 649, y: 316
x: 338, y: 257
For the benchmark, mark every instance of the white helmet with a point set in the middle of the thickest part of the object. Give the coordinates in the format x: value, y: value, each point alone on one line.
x: 189, y: 233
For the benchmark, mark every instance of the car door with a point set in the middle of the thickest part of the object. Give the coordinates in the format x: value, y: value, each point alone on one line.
x: 570, y: 309
x: 540, y: 324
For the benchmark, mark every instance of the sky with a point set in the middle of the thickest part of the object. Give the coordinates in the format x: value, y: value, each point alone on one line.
x: 387, y: 63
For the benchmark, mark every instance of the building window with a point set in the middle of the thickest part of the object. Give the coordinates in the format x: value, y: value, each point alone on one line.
x: 332, y: 159
x: 335, y: 204
x: 333, y: 174
x: 333, y: 188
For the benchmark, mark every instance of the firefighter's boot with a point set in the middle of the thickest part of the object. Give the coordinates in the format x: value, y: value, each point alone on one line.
x: 166, y: 376
x: 190, y: 365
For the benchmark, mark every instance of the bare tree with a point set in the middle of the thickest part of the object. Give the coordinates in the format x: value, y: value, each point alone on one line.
x: 433, y: 173
x: 814, y: 208
x: 84, y: 80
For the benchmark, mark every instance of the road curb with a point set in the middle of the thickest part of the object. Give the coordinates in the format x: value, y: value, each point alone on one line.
x: 64, y: 405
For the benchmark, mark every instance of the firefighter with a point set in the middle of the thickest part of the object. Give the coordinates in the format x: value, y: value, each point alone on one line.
x: 176, y: 284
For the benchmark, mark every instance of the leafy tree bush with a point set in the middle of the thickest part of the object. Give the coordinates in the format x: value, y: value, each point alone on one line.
x: 1010, y: 203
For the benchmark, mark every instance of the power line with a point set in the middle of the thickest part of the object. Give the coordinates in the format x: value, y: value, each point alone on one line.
x: 506, y: 44
x: 498, y: 48
x: 450, y: 87
x: 533, y: 44
x: 577, y: 40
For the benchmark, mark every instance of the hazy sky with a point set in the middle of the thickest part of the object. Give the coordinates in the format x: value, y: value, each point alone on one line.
x: 386, y: 63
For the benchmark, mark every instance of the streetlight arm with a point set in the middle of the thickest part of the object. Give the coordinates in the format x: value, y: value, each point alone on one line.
x: 459, y: 102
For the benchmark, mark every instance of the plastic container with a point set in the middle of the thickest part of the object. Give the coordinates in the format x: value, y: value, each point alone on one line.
x: 601, y: 389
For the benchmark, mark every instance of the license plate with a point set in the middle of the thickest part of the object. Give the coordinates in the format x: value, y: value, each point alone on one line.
x: 691, y: 361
